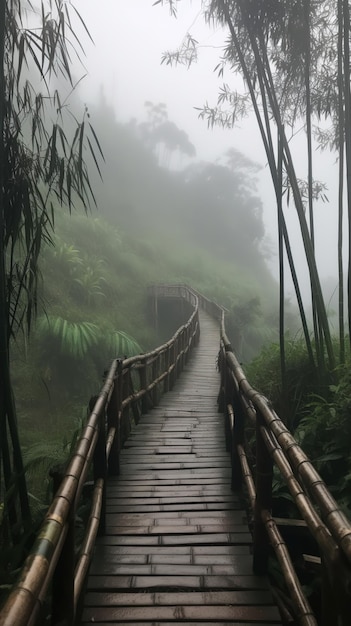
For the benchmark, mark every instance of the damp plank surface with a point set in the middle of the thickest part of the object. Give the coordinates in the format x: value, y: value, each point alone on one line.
x: 177, y: 547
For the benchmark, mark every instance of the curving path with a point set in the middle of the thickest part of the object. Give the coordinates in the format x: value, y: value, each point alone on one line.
x: 177, y: 547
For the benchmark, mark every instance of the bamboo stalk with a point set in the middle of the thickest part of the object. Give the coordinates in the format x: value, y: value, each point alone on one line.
x: 87, y: 547
x: 247, y: 475
x: 309, y: 514
x: 305, y: 614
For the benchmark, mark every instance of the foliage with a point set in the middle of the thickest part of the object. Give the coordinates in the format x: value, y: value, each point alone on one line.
x: 120, y: 344
x: 73, y: 338
x: 264, y: 373
x: 325, y: 435
x: 41, y: 162
x: 76, y: 339
x: 246, y: 326
x: 91, y: 280
x: 318, y: 412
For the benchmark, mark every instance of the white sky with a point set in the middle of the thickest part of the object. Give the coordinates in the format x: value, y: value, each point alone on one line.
x: 130, y: 37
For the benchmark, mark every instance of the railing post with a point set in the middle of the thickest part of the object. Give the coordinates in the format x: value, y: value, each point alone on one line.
x: 221, y: 363
x: 100, y: 467
x: 264, y: 476
x: 198, y: 330
x: 172, y: 376
x: 113, y: 411
x: 155, y: 374
x: 176, y: 357
x: 166, y: 366
x: 62, y: 602
x: 228, y: 394
x: 143, y: 385
x: 180, y: 353
x: 135, y: 406
x: 237, y: 439
x: 125, y: 414
x: 186, y: 344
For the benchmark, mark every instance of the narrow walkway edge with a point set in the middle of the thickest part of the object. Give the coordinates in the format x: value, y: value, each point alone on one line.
x: 177, y: 547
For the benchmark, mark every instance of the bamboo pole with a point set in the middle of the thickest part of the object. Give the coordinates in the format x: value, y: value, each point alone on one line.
x: 87, y: 547
x: 305, y: 614
x: 264, y: 476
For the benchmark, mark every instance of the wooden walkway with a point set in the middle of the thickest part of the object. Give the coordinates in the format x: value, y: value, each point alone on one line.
x: 177, y: 547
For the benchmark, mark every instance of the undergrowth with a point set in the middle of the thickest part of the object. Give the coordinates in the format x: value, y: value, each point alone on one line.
x: 316, y: 409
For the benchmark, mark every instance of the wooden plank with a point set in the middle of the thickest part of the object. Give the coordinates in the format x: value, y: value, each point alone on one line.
x: 180, y: 612
x: 166, y: 598
x: 185, y: 623
x: 177, y: 546
x: 114, y: 538
x: 113, y: 552
x: 190, y: 582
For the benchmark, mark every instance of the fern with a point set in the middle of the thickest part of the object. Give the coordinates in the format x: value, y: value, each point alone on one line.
x: 119, y: 343
x: 75, y: 339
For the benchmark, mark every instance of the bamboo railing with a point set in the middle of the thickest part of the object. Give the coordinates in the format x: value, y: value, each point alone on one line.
x: 321, y: 514
x: 132, y: 386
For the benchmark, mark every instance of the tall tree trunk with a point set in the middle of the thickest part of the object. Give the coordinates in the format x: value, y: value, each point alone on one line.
x: 347, y: 127
x: 316, y: 327
x: 281, y: 270
x: 309, y: 252
x: 341, y: 123
x: 268, y: 146
x: 11, y: 456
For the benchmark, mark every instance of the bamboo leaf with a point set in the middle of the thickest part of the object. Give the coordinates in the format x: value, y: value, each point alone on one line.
x: 20, y: 58
x: 94, y: 157
x: 83, y: 24
x: 96, y: 141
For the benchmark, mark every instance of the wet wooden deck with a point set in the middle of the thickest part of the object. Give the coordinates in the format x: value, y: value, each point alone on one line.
x: 178, y: 547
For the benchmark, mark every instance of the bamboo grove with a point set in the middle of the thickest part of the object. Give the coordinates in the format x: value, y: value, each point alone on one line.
x: 42, y: 167
x: 294, y: 59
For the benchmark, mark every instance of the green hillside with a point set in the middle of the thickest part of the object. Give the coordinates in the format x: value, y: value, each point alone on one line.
x: 201, y: 225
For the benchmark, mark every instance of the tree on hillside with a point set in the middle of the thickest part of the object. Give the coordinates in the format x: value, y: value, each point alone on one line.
x: 215, y: 194
x: 295, y: 61
x: 163, y: 136
x: 41, y: 168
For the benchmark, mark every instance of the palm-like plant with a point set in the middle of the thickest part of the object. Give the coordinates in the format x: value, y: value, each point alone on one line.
x: 119, y: 343
x: 91, y: 279
x: 77, y: 339
x: 67, y: 255
x: 74, y: 339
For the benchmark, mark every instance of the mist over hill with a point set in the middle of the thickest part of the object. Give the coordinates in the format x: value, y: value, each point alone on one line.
x: 202, y: 205
x: 161, y: 216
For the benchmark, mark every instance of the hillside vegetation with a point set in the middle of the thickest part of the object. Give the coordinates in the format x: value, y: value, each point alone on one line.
x: 200, y: 225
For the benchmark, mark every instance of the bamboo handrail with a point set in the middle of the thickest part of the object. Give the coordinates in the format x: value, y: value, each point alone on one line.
x: 323, y: 516
x: 336, y: 521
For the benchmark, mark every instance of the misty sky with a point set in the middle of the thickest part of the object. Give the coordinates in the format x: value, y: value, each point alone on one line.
x: 130, y: 37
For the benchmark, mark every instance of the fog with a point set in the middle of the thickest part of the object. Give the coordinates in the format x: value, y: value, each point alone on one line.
x: 125, y: 63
